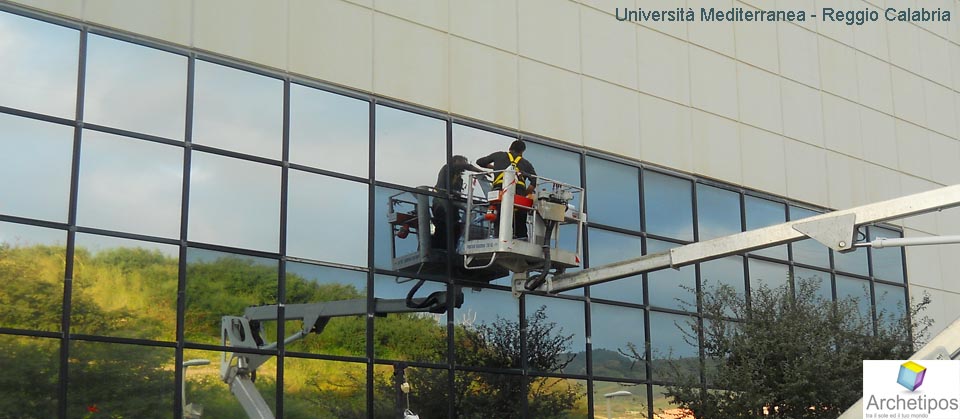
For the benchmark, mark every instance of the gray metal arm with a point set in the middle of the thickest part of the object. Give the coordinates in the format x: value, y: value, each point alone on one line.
x: 238, y: 369
x: 834, y: 229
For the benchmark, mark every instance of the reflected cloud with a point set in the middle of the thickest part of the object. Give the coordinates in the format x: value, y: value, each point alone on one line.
x: 40, y: 66
x: 329, y: 131
x: 234, y: 202
x: 37, y: 157
x: 327, y: 219
x: 130, y: 185
x: 135, y: 88
x: 238, y: 110
x: 410, y: 149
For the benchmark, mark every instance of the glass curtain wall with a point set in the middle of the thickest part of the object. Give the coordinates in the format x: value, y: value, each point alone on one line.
x: 154, y: 190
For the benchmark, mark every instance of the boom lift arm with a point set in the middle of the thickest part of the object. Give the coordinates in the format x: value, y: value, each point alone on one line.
x: 835, y: 230
x: 238, y: 370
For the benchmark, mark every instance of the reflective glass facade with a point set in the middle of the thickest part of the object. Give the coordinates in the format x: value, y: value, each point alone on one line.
x: 149, y: 191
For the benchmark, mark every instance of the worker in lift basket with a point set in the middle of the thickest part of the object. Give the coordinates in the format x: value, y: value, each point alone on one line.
x: 448, y: 179
x: 526, y: 178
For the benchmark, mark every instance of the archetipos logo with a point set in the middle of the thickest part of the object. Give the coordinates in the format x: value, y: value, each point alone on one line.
x: 892, y: 389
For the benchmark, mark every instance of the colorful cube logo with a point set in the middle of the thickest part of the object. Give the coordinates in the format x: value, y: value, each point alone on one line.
x: 911, y: 375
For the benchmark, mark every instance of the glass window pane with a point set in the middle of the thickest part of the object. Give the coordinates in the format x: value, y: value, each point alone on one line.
x: 488, y: 394
x: 411, y: 148
x: 553, y: 163
x: 111, y: 380
x: 808, y: 251
x: 619, y: 344
x: 124, y: 288
x: 40, y: 66
x: 718, y: 212
x: 315, y: 388
x: 768, y: 274
x: 429, y: 397
x: 207, y: 393
x: 762, y: 213
x: 31, y: 277
x: 723, y: 272
x: 223, y: 284
x: 891, y: 304
x: 887, y: 262
x: 327, y: 219
x: 668, y: 205
x: 121, y: 176
x: 409, y: 336
x: 238, y: 110
x: 613, y: 194
x: 135, y: 88
x: 859, y: 290
x: 608, y: 247
x: 818, y: 279
x: 29, y: 384
x: 474, y: 143
x: 671, y: 288
x: 557, y: 398
x: 487, y: 332
x: 550, y: 320
x: 234, y: 202
x: 314, y: 284
x: 610, y: 401
x: 329, y: 131
x: 673, y: 342
x: 854, y: 262
x: 392, y: 249
x: 39, y: 156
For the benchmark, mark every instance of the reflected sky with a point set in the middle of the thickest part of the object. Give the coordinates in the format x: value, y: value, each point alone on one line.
x: 762, y: 213
x: 856, y: 288
x: 485, y: 306
x: 568, y: 316
x: 808, y: 251
x: 613, y: 194
x: 671, y: 288
x: 887, y: 262
x: 234, y: 202
x: 135, y: 88
x: 854, y: 262
x: 727, y: 271
x: 329, y: 131
x: 668, y: 205
x: 608, y: 247
x: 890, y: 302
x: 613, y: 328
x: 238, y: 110
x: 326, y: 219
x: 40, y: 66
x: 324, y: 275
x: 21, y: 235
x: 95, y: 244
x: 768, y: 274
x: 718, y: 212
x: 667, y: 336
x: 411, y: 148
x: 129, y: 185
x: 822, y: 279
x: 553, y: 163
x: 39, y: 156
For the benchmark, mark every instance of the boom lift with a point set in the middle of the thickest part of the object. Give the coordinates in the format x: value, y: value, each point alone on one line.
x: 489, y: 250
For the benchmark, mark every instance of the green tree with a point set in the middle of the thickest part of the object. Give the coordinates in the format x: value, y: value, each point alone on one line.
x: 789, y: 354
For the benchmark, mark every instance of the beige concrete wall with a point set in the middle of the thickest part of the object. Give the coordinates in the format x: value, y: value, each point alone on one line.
x: 828, y: 114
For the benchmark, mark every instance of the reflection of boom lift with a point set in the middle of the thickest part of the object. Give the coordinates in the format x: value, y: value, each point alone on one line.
x: 238, y: 370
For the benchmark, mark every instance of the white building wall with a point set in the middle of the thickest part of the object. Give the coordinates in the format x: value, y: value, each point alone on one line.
x: 824, y: 113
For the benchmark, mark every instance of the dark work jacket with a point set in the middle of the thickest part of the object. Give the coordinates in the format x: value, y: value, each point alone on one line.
x: 501, y: 161
x: 447, y: 180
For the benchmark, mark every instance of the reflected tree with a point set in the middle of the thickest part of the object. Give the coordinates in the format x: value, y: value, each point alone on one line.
x: 790, y: 353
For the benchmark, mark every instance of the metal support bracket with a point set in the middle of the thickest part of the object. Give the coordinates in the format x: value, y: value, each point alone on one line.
x: 833, y: 232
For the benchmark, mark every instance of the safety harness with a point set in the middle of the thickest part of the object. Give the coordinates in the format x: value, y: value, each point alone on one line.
x: 513, y: 162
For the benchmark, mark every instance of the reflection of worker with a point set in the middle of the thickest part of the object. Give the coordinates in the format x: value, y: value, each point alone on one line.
x: 448, y: 179
x: 526, y: 177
